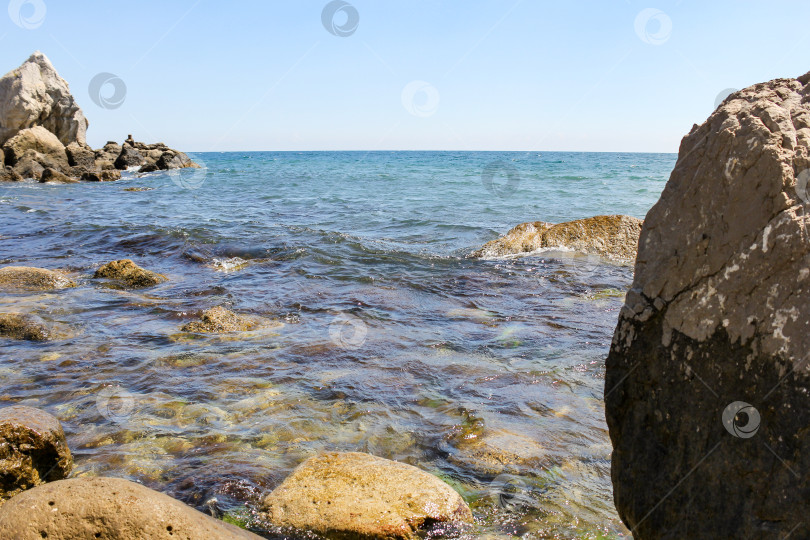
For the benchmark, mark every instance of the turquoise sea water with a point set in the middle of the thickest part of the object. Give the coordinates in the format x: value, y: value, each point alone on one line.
x: 487, y: 373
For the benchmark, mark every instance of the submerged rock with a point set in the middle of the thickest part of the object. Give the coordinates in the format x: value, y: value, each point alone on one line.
x: 218, y: 319
x: 356, y: 495
x: 110, y: 508
x: 32, y: 451
x: 35, y: 95
x: 129, y: 274
x: 613, y: 237
x: 706, y: 389
x: 24, y: 277
x: 23, y: 326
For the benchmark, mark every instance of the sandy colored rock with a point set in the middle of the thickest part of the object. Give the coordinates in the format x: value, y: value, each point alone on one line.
x: 25, y: 277
x: 706, y: 389
x: 129, y: 274
x: 129, y: 157
x: 107, y: 175
x: 23, y: 326
x: 55, y: 177
x: 613, y: 237
x: 108, y: 508
x: 80, y: 155
x: 32, y: 451
x: 8, y: 174
x: 35, y: 95
x: 356, y: 495
x: 39, y: 140
x: 219, y: 319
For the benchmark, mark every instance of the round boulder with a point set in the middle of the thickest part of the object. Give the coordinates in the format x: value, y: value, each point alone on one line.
x: 28, y: 278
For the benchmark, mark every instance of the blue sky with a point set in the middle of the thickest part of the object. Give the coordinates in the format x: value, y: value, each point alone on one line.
x: 495, y: 75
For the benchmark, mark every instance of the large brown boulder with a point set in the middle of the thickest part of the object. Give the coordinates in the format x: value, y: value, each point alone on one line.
x: 29, y: 278
x: 23, y: 326
x: 612, y: 237
x: 36, y: 144
x: 129, y: 274
x: 356, y: 495
x: 32, y: 451
x: 706, y: 391
x: 110, y: 508
x: 80, y: 155
x: 219, y: 319
x: 35, y: 95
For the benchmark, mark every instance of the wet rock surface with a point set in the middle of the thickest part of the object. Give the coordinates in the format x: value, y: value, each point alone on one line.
x: 29, y: 278
x: 219, y: 319
x: 32, y: 451
x: 612, y: 237
x: 357, y: 495
x: 23, y: 326
x: 707, y: 377
x: 129, y: 274
x: 110, y: 508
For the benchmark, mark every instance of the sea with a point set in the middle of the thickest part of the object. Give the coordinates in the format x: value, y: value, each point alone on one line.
x: 386, y: 336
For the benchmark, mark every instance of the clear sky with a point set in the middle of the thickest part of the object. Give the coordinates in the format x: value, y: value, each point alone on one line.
x: 204, y: 75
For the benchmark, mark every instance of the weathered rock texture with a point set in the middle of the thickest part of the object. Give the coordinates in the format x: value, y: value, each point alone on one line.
x: 35, y: 95
x: 109, y: 508
x: 29, y: 278
x: 42, y: 127
x: 129, y: 274
x: 612, y: 237
x: 355, y: 495
x: 718, y: 313
x: 23, y: 326
x: 219, y: 319
x: 32, y: 451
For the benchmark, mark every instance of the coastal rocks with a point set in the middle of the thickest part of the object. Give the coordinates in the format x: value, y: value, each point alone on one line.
x: 38, y: 140
x: 32, y: 451
x: 129, y: 274
x: 52, y: 176
x: 129, y: 157
x: 35, y: 95
x: 80, y: 156
x: 706, y: 388
x: 105, y: 175
x: 218, y: 320
x: 28, y: 278
x: 110, y: 508
x: 356, y: 495
x: 106, y: 156
x: 613, y: 237
x: 8, y: 174
x: 22, y: 326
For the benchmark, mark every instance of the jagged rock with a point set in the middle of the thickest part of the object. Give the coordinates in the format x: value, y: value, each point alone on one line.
x: 23, y: 327
x: 612, y: 237
x: 218, y: 320
x: 35, y: 95
x: 174, y: 160
x: 33, y: 451
x: 356, y: 495
x: 706, y: 389
x: 8, y: 174
x: 38, y: 140
x: 151, y: 167
x: 111, y: 508
x: 106, y: 156
x: 28, y: 278
x: 130, y: 274
x: 107, y: 175
x: 55, y: 177
x: 129, y: 157
x: 80, y: 156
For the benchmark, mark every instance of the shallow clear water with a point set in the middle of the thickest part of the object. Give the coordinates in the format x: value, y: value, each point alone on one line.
x: 487, y: 373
